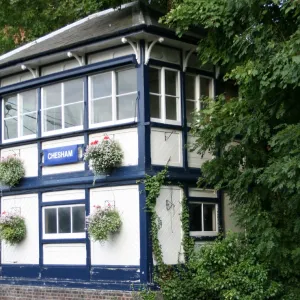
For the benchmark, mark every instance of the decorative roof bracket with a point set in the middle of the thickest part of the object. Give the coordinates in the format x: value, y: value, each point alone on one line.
x: 135, y: 47
x: 149, y: 49
x: 186, y: 59
x: 34, y: 72
x: 79, y: 58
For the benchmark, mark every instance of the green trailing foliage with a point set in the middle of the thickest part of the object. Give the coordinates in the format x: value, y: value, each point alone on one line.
x: 12, y: 228
x: 257, y: 132
x: 11, y: 170
x: 103, y: 222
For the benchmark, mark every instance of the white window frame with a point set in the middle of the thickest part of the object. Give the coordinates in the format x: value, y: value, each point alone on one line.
x: 163, y: 96
x: 62, y: 235
x: 19, y: 118
x: 203, y: 232
x: 114, y: 96
x: 197, y: 91
x: 62, y: 106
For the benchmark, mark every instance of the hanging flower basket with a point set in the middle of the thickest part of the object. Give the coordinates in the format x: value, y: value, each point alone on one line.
x: 11, y: 170
x: 103, y: 222
x: 104, y: 157
x: 12, y: 228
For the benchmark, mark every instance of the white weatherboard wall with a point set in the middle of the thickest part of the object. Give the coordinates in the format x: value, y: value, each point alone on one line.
x: 122, y: 248
x: 196, y: 160
x: 166, y: 147
x: 64, y: 254
x: 63, y: 195
x: 110, y: 54
x: 165, y: 54
x: 26, y: 252
x: 68, y: 167
x: 128, y: 140
x: 16, y: 78
x: 168, y: 209
x: 73, y: 63
x: 204, y: 193
x: 28, y: 154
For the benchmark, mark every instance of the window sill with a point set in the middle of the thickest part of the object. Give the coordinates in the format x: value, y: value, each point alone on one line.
x: 61, y: 236
x: 19, y: 139
x: 61, y: 131
x: 112, y: 123
x: 200, y: 234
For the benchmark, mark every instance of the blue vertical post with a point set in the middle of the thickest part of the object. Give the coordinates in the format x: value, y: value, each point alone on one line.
x: 39, y: 131
x: 183, y: 115
x: 1, y: 103
x: 88, y: 242
x: 41, y: 254
x: 86, y: 116
x: 144, y: 163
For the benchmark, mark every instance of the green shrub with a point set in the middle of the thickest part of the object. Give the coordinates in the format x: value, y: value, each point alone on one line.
x: 12, y: 228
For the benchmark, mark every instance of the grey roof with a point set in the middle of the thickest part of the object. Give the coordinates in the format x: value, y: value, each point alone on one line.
x: 95, y: 27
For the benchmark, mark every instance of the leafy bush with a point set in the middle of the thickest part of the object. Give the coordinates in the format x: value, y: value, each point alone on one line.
x: 104, y: 156
x: 103, y: 222
x: 11, y: 170
x: 225, y: 269
x: 12, y: 228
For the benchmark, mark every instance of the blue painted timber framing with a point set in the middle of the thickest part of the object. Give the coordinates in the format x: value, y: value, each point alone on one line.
x: 40, y: 218
x: 76, y: 72
x: 87, y: 242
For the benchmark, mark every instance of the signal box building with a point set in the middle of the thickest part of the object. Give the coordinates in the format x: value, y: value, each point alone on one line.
x: 122, y: 74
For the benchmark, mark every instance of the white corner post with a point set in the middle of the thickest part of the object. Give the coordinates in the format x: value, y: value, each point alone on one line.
x: 150, y: 47
x: 34, y: 72
x: 135, y: 46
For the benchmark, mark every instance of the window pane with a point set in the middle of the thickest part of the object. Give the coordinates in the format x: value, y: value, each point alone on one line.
x: 205, y: 87
x: 10, y: 128
x: 102, y: 110
x: 195, y: 216
x: 52, y: 119
x: 190, y: 108
x: 10, y: 107
x: 101, y: 85
x: 52, y: 95
x: 64, y: 220
x: 170, y: 78
x: 126, y: 81
x: 73, y: 91
x: 29, y: 124
x: 78, y: 215
x: 126, y: 107
x: 29, y: 101
x: 209, y: 215
x: 50, y: 220
x: 190, y: 87
x: 155, y: 106
x: 154, y: 79
x: 171, y: 109
x: 73, y: 115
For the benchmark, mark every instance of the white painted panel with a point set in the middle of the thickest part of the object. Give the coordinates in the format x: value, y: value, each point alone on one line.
x: 16, y: 78
x: 122, y: 248
x: 62, y: 66
x: 109, y: 54
x: 168, y: 209
x: 64, y: 195
x: 229, y: 221
x: 196, y: 160
x: 68, y: 167
x: 165, y: 54
x: 64, y: 254
x: 26, y: 252
x: 194, y: 192
x: 128, y: 140
x: 29, y: 155
x: 166, y: 147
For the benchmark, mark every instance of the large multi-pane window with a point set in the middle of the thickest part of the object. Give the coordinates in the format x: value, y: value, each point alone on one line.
x: 62, y: 106
x: 20, y: 115
x: 113, y: 97
x: 64, y: 221
x: 196, y: 86
x: 164, y: 95
x: 203, y: 219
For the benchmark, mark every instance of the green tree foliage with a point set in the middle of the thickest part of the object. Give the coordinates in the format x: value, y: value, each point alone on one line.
x: 257, y: 133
